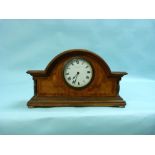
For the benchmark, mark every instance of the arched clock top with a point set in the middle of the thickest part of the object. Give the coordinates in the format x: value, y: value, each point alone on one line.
x: 74, y: 53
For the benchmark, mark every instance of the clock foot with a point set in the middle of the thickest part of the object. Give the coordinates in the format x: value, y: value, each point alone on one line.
x: 30, y: 106
x: 122, y: 106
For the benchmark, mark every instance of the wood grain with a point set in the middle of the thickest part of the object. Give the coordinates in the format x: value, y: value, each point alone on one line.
x: 50, y: 88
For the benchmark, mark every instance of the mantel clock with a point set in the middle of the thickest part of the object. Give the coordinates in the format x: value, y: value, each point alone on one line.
x: 76, y: 77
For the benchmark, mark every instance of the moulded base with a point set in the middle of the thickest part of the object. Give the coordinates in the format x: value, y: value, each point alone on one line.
x: 38, y: 101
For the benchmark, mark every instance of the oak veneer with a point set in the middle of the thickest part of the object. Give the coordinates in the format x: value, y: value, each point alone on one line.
x: 50, y: 88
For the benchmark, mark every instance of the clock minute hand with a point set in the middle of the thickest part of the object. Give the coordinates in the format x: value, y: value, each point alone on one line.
x: 75, y: 77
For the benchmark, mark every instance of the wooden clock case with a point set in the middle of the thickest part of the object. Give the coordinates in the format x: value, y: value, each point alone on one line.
x: 50, y: 88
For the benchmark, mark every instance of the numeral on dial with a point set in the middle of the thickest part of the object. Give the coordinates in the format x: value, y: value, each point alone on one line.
x: 77, y: 61
x: 87, y: 77
x: 69, y: 78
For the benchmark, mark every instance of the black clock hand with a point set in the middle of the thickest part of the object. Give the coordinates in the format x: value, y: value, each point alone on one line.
x: 75, y: 77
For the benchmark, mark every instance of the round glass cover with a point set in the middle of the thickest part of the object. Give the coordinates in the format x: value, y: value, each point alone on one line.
x: 78, y: 72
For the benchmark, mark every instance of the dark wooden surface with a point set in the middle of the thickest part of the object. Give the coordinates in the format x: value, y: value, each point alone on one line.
x: 50, y: 88
x: 80, y: 101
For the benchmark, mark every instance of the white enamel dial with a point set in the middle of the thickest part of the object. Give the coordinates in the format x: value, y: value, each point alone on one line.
x: 78, y: 72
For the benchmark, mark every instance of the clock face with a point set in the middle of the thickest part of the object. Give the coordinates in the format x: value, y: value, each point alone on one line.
x: 78, y: 72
